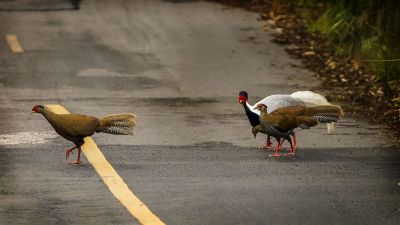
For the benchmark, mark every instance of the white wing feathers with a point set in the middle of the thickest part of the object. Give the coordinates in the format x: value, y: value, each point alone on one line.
x: 274, y: 102
x: 310, y: 98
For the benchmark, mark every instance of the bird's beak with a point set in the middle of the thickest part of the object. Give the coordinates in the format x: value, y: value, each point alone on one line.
x: 241, y: 102
x: 254, y: 132
x: 32, y: 112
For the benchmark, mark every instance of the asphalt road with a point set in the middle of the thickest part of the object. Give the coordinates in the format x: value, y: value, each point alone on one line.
x: 178, y: 65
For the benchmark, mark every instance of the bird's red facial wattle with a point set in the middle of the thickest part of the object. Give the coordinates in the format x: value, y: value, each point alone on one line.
x: 37, y: 109
x: 242, y: 99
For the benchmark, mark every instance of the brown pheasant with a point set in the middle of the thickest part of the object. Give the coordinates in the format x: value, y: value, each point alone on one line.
x: 281, y: 122
x: 75, y: 127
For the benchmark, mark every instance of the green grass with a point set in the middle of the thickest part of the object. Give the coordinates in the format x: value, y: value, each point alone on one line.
x: 367, y: 30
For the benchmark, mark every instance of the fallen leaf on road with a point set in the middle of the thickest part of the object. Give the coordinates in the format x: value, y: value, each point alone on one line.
x: 309, y: 53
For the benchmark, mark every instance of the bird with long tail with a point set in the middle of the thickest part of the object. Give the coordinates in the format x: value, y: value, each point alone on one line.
x: 274, y: 102
x: 75, y: 127
x: 281, y: 122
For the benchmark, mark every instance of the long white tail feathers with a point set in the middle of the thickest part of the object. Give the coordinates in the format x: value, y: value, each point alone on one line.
x: 120, y: 124
x: 330, y: 127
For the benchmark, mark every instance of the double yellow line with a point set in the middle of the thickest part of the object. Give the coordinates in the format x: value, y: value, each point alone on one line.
x: 113, y: 181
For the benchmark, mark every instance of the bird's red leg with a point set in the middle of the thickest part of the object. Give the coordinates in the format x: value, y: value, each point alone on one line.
x: 294, y: 141
x: 68, y: 152
x: 78, y: 160
x: 280, y: 142
x: 292, y: 148
x: 267, y: 145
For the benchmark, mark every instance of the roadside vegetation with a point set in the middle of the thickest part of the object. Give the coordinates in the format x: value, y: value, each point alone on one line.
x: 352, y: 46
x: 365, y: 30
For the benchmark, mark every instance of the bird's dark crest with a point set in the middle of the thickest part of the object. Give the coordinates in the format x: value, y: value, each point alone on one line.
x: 243, y: 93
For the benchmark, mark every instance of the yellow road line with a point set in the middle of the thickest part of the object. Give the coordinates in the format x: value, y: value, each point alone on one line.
x: 14, y: 44
x: 113, y: 181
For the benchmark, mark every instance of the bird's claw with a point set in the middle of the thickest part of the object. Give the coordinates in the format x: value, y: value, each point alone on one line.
x: 75, y: 163
x: 274, y: 155
x: 265, y: 147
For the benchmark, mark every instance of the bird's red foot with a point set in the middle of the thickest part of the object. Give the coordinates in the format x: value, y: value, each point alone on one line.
x: 266, y: 147
x: 75, y: 163
x: 276, y: 152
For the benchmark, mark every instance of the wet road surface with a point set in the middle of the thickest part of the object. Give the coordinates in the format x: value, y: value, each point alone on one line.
x: 178, y: 65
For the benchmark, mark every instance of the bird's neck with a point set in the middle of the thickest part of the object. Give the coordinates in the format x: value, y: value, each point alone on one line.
x: 263, y: 112
x: 253, y: 117
x: 50, y: 116
x: 247, y: 107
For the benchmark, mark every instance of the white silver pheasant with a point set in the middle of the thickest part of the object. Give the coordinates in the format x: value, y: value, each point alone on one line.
x: 274, y: 102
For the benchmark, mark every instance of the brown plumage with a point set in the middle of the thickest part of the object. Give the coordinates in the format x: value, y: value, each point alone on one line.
x: 281, y: 122
x: 75, y: 127
x: 302, y: 116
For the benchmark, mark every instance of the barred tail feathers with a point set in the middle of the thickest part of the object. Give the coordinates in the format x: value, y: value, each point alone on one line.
x: 327, y: 114
x: 119, y: 124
